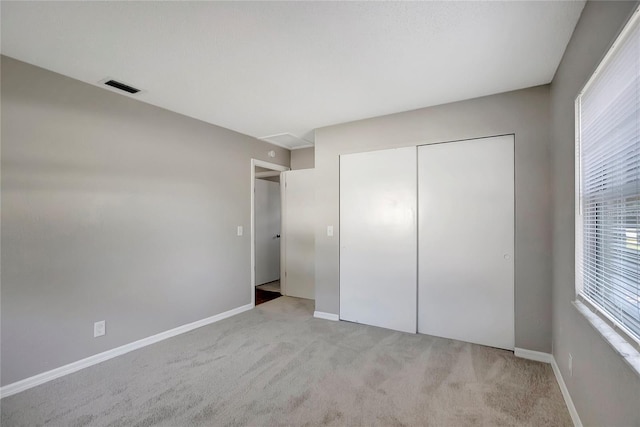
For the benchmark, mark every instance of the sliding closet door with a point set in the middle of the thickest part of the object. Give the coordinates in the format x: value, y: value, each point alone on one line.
x: 466, y: 241
x: 378, y: 258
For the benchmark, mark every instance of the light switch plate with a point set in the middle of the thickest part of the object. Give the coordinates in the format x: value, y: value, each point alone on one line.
x: 240, y: 230
x: 330, y: 230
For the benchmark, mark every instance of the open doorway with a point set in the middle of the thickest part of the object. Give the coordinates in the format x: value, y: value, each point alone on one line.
x: 267, y: 223
x: 266, y: 226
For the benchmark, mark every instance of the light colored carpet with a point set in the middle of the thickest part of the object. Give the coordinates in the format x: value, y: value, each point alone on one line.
x: 277, y: 365
x: 270, y: 287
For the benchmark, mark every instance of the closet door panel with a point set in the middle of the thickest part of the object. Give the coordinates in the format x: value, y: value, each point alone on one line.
x: 466, y: 241
x: 378, y: 240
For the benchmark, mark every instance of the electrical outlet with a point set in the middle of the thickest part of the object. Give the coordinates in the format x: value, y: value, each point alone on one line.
x: 570, y: 365
x: 99, y: 329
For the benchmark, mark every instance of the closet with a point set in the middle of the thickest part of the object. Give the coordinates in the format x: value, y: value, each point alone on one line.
x: 378, y: 246
x: 427, y: 239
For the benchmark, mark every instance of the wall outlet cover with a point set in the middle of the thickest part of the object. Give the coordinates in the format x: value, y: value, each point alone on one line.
x: 99, y: 329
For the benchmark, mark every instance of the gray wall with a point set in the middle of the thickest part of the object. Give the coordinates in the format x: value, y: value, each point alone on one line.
x: 524, y: 113
x: 303, y: 158
x: 113, y: 210
x: 604, y: 389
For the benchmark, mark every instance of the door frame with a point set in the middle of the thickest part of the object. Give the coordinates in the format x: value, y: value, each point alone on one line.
x: 278, y: 168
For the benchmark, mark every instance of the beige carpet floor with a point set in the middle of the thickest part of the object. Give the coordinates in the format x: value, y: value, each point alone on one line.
x: 277, y: 365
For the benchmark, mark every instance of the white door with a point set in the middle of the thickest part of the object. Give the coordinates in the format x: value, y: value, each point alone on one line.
x: 378, y: 244
x: 466, y: 241
x: 299, y: 233
x: 267, y: 231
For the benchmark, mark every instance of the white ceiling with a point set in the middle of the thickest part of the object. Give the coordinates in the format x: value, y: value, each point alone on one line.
x: 265, y: 68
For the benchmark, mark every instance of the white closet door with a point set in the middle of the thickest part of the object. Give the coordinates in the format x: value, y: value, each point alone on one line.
x: 466, y: 241
x: 378, y: 258
x: 299, y: 233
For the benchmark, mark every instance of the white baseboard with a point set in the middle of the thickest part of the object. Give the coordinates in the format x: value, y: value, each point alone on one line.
x: 44, y: 377
x: 326, y: 316
x: 565, y: 393
x: 538, y: 356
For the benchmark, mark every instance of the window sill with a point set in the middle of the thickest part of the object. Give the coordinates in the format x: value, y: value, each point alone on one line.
x: 627, y: 351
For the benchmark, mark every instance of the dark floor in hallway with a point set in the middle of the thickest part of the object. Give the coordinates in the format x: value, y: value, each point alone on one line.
x: 264, y: 296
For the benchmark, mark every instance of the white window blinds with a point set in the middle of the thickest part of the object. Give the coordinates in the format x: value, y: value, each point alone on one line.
x: 608, y: 178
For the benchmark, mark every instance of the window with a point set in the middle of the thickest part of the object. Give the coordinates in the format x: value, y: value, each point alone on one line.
x: 608, y: 185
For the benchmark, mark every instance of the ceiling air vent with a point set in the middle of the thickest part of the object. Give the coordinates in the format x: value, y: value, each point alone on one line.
x: 121, y: 86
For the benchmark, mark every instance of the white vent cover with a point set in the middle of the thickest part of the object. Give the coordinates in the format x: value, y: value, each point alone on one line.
x: 287, y: 140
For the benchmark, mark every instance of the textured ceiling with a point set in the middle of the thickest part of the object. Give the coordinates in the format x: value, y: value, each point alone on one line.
x: 265, y: 68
